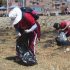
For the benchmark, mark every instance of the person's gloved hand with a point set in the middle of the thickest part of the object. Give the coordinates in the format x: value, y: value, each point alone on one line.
x: 19, y: 34
x: 27, y: 31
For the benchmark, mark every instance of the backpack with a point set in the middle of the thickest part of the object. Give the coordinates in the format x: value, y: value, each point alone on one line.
x: 31, y: 11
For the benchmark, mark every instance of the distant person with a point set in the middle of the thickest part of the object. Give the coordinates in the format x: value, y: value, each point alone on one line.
x: 66, y: 10
x: 27, y: 30
x: 63, y: 28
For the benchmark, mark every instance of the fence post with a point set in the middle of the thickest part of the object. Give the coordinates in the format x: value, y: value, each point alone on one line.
x: 24, y: 3
x: 7, y: 8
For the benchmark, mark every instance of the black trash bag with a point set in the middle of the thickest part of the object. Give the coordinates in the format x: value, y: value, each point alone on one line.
x: 25, y: 55
x: 29, y: 59
x: 61, y: 39
x: 60, y: 43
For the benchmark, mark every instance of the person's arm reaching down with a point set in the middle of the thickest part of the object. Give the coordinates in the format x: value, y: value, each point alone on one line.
x: 31, y: 29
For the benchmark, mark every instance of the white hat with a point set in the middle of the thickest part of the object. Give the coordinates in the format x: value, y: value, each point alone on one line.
x: 15, y: 14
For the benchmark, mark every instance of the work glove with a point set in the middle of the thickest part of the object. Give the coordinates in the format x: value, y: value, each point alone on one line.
x: 18, y: 35
x: 27, y: 31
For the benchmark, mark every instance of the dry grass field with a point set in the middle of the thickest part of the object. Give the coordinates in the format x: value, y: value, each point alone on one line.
x: 49, y: 55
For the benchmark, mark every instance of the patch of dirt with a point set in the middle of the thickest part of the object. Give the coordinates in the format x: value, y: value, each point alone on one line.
x: 49, y: 55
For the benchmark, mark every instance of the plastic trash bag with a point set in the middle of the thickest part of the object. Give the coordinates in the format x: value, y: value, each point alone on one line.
x: 62, y: 36
x: 29, y: 59
x: 61, y: 39
x: 26, y: 56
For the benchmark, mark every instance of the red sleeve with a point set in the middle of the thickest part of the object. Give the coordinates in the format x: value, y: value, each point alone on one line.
x: 63, y: 24
x: 29, y: 18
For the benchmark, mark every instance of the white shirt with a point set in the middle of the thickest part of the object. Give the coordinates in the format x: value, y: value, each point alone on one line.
x: 15, y: 15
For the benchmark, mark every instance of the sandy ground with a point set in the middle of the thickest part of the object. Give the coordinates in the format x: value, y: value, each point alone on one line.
x: 49, y: 55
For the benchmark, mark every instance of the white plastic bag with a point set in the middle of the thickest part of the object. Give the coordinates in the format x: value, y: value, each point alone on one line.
x: 62, y: 37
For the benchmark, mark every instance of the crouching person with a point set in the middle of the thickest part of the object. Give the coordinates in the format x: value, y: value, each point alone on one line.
x: 63, y: 29
x: 26, y: 28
